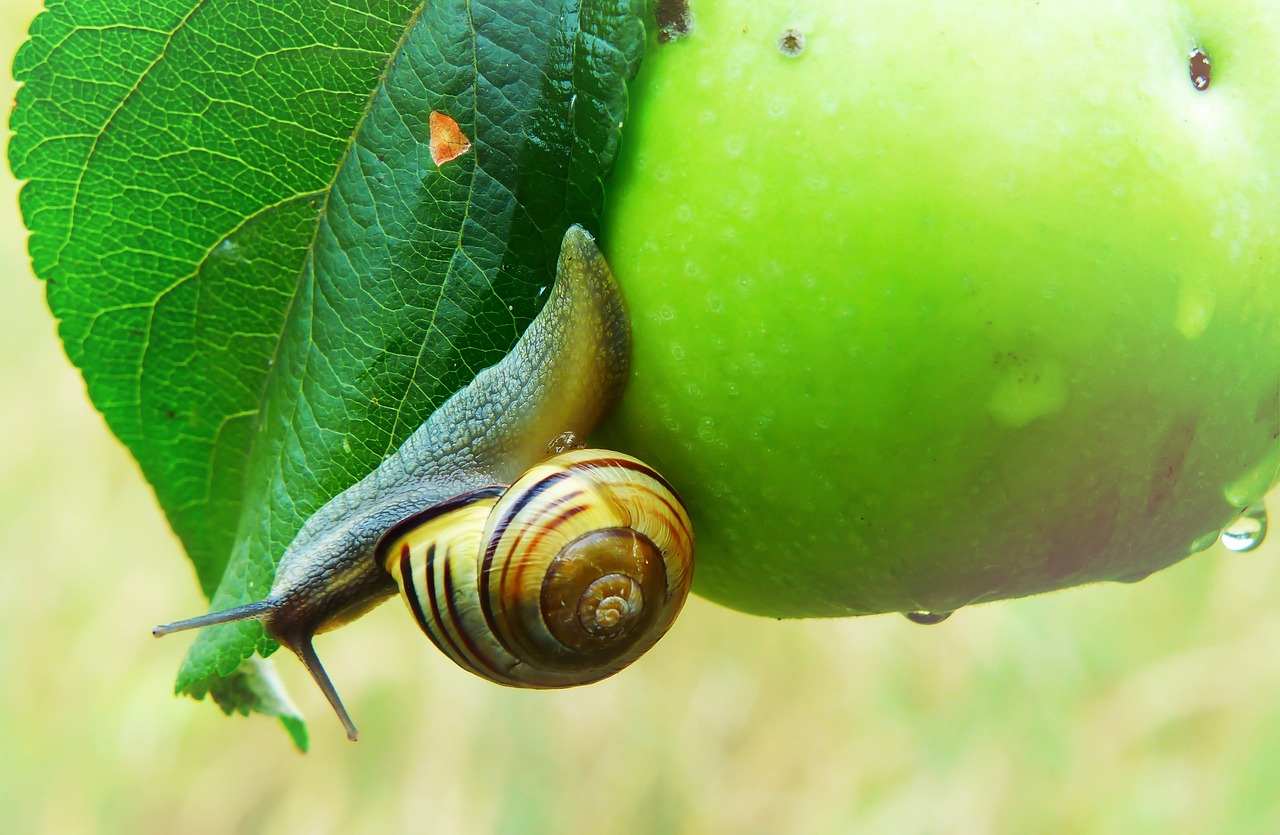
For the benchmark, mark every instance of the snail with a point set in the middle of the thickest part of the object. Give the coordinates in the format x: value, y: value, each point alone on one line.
x: 525, y: 558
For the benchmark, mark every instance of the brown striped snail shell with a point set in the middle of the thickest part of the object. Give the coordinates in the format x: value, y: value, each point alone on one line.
x: 563, y: 578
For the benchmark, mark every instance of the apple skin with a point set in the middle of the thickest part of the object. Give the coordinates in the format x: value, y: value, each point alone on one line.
x: 966, y: 301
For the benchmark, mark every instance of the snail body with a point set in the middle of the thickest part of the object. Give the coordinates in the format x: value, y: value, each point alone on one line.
x: 527, y: 570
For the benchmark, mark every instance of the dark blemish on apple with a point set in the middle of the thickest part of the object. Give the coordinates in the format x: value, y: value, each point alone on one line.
x: 674, y: 19
x: 1268, y: 410
x: 1074, y: 543
x: 1200, y: 69
x: 791, y: 43
x: 1170, y: 460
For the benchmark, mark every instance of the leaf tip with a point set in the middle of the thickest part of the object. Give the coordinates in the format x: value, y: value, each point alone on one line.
x: 296, y: 728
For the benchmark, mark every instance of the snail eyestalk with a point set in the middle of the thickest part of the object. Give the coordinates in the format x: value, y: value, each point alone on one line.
x: 250, y: 611
x: 301, y: 646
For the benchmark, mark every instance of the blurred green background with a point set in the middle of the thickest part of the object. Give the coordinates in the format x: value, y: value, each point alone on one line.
x: 1153, y: 707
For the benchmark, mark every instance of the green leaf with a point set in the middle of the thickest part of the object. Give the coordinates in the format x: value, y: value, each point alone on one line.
x: 265, y: 279
x: 254, y: 687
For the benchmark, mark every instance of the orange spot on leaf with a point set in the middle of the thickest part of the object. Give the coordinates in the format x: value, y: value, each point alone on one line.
x: 448, y: 142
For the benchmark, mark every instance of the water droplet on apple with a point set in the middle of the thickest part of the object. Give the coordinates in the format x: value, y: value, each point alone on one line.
x: 1247, y: 531
x: 927, y: 618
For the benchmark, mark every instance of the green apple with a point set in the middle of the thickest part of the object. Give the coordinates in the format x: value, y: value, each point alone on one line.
x: 939, y: 302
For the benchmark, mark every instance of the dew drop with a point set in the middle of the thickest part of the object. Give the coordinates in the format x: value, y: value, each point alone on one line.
x: 564, y: 442
x: 229, y: 250
x: 927, y: 618
x: 1247, y: 531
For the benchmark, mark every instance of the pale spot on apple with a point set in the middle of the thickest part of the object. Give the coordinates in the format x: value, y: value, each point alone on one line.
x: 1195, y: 309
x: 1028, y: 389
x: 1213, y: 125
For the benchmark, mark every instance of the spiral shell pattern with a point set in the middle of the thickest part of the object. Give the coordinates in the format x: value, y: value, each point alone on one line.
x: 562, y: 579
